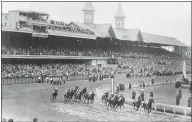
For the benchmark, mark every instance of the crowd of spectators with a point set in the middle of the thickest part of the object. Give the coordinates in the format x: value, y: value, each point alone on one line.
x: 135, y: 63
x: 52, y: 51
x: 33, y: 70
x: 81, y: 52
x: 153, y: 66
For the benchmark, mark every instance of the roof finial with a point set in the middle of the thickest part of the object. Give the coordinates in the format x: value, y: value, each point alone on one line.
x: 120, y: 12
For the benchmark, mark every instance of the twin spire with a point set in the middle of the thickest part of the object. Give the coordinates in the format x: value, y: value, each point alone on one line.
x: 89, y: 7
x: 89, y: 15
x: 120, y: 12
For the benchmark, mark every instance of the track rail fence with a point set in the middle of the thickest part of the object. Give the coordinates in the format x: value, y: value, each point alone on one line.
x: 27, y: 80
x: 165, y: 108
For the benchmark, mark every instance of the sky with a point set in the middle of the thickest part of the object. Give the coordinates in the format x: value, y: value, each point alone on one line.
x: 163, y: 18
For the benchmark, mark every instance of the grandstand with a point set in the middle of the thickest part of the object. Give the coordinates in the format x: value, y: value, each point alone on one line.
x: 29, y: 36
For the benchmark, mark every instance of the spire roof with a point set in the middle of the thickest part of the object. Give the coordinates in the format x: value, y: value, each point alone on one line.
x: 88, y: 7
x: 120, y: 12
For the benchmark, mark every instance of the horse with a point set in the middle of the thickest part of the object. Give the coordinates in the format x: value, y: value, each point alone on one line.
x: 137, y: 103
x: 104, y: 98
x: 83, y: 91
x: 109, y: 101
x: 67, y: 95
x: 120, y: 102
x: 78, y: 96
x: 54, y: 94
x: 89, y: 97
x: 112, y: 101
x: 148, y: 105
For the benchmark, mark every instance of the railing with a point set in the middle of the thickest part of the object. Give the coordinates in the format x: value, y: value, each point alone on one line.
x: 166, y: 108
x: 27, y: 80
x: 10, y: 81
x: 78, y: 77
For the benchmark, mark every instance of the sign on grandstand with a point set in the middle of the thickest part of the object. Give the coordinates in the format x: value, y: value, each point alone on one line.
x: 40, y: 35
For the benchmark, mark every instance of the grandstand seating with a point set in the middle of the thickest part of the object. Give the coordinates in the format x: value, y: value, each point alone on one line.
x: 135, y: 63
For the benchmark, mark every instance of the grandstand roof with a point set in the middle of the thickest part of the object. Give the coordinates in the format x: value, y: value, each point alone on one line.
x: 88, y: 7
x: 127, y: 34
x: 106, y: 29
x: 159, y: 39
x: 100, y: 30
x: 42, y: 13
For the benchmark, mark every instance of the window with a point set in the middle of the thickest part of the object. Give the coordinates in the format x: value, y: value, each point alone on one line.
x: 119, y: 23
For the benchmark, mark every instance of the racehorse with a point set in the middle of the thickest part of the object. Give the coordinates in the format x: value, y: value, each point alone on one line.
x: 83, y: 91
x: 67, y: 95
x: 104, y: 98
x: 89, y: 97
x: 54, y: 94
x: 109, y: 101
x: 120, y: 101
x: 78, y: 96
x: 112, y: 101
x: 137, y: 103
x: 148, y: 105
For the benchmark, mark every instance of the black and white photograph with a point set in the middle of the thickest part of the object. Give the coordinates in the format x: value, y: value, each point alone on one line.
x: 95, y: 61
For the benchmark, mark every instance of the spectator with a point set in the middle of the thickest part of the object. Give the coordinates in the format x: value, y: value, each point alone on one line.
x: 35, y: 120
x: 10, y: 120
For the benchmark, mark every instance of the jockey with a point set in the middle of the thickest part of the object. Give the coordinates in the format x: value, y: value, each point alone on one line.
x: 106, y: 93
x: 92, y: 92
x: 68, y: 90
x: 55, y: 89
x: 87, y: 92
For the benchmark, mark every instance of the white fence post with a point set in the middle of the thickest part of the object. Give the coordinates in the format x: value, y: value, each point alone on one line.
x: 185, y: 112
x: 174, y: 111
x: 155, y: 108
x: 164, y: 110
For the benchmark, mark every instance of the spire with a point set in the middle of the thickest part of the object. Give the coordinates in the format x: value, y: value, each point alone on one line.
x: 120, y: 12
x: 89, y: 14
x: 89, y: 7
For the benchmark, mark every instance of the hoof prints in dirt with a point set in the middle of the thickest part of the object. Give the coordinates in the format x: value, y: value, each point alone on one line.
x: 97, y: 113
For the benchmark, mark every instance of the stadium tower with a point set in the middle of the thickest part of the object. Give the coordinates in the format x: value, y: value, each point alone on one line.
x: 89, y: 14
x: 119, y: 17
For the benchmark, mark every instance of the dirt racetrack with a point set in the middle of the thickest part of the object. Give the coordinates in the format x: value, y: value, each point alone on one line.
x: 23, y: 102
